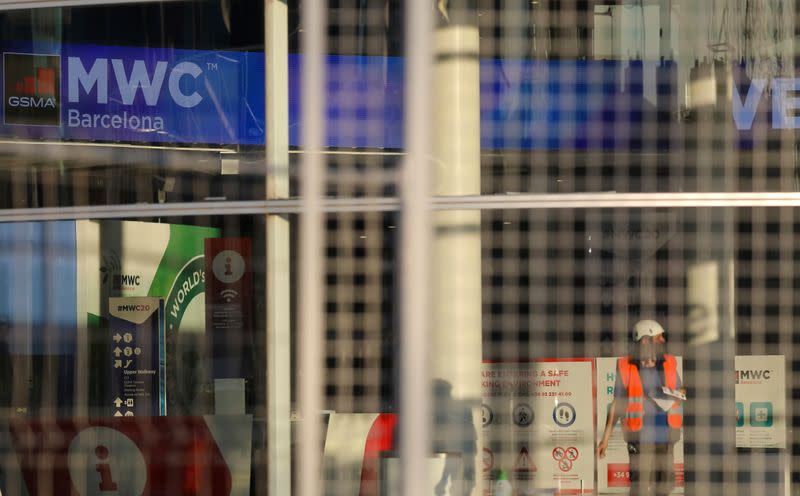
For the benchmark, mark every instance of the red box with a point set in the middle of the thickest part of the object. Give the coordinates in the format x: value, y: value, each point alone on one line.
x: 619, y: 475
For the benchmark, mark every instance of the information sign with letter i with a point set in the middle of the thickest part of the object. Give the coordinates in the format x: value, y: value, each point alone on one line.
x: 138, y: 362
x: 229, y: 291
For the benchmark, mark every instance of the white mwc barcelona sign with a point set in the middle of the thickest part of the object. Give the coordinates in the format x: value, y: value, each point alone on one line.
x: 94, y: 83
x: 784, y: 103
x: 128, y: 86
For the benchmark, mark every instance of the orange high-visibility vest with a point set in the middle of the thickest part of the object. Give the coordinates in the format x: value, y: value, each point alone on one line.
x: 634, y: 413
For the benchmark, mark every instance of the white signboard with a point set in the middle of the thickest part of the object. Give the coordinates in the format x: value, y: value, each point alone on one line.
x: 760, y: 401
x: 613, y: 471
x: 538, y: 425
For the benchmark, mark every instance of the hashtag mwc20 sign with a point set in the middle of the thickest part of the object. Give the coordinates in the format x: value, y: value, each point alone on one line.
x: 174, y: 456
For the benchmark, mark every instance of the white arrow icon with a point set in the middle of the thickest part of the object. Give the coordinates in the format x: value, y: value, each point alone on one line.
x: 117, y: 338
x: 117, y: 402
x: 117, y: 352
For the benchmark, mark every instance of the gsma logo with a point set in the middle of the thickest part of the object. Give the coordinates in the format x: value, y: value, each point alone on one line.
x: 31, y: 89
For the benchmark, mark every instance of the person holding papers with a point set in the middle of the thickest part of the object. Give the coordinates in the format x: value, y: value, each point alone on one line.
x: 649, y: 398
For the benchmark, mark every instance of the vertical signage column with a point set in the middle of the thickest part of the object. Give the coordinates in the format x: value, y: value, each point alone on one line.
x: 228, y: 305
x: 136, y: 326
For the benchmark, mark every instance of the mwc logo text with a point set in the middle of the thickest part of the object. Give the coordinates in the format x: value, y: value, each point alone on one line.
x: 785, y: 103
x: 96, y: 79
x: 753, y: 375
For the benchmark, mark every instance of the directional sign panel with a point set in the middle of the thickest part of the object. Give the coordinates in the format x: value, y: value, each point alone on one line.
x: 136, y: 325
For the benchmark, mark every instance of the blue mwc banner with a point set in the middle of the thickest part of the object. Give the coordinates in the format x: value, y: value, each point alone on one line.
x: 136, y: 95
x: 159, y: 95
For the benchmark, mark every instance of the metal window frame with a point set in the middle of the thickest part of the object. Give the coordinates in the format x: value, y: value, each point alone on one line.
x: 389, y: 204
x: 415, y: 240
x: 310, y: 303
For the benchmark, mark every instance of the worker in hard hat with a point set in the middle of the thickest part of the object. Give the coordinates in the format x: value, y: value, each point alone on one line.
x: 649, y: 397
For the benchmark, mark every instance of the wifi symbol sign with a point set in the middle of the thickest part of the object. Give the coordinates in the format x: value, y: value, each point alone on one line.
x: 228, y: 295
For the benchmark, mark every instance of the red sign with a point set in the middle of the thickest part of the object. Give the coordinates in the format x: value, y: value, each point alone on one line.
x: 228, y: 305
x: 565, y: 457
x: 619, y: 475
x: 145, y: 456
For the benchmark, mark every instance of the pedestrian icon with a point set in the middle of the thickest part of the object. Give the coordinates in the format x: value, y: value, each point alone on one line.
x: 523, y: 415
x: 117, y: 364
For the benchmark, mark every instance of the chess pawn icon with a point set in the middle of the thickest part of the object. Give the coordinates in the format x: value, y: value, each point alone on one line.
x: 104, y: 469
x: 228, y: 265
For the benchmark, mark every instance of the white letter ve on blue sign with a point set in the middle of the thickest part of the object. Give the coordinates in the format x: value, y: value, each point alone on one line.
x: 744, y: 113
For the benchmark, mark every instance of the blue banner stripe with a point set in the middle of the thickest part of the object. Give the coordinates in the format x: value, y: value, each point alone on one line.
x: 159, y: 95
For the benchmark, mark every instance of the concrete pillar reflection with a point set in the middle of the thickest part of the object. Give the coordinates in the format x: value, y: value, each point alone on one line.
x: 457, y: 336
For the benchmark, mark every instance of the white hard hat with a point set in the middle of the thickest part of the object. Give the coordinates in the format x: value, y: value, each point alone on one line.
x: 646, y: 328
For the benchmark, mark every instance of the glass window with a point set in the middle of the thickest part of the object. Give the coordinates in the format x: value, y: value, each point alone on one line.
x: 587, y: 285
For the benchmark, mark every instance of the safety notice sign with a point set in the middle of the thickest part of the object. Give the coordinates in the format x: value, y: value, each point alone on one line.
x: 760, y: 401
x: 538, y: 422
